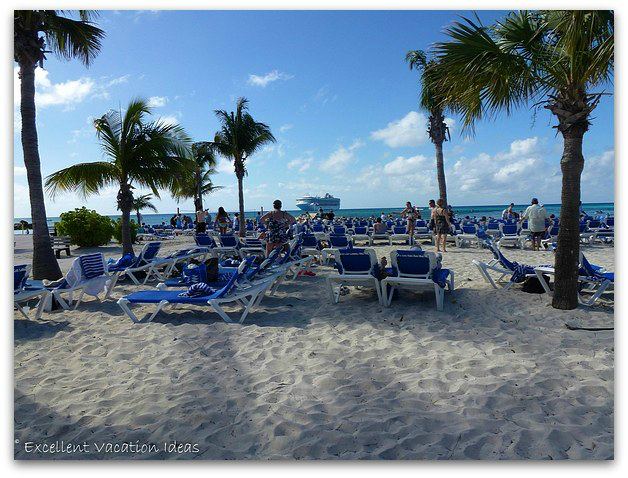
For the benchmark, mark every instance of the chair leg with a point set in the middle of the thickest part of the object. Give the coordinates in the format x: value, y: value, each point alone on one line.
x: 440, y: 295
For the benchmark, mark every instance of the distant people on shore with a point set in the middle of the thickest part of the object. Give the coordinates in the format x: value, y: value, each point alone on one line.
x: 509, y: 213
x: 536, y: 216
x: 278, y: 224
x: 411, y: 215
x: 442, y: 225
x: 222, y: 220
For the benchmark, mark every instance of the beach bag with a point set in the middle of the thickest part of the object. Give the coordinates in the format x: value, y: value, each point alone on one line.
x: 532, y: 285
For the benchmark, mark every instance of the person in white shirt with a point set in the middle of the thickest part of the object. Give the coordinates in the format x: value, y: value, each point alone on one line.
x: 536, y: 216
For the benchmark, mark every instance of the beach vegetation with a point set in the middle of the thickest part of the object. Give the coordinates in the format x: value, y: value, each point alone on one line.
x: 138, y: 152
x: 434, y: 102
x: 37, y: 33
x: 117, y: 229
x: 85, y: 227
x: 199, y: 183
x: 559, y: 60
x: 240, y: 136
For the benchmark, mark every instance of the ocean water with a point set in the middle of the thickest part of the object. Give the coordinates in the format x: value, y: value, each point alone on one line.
x: 460, y: 211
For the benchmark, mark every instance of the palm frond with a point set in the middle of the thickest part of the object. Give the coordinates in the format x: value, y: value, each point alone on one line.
x: 69, y: 38
x: 85, y: 178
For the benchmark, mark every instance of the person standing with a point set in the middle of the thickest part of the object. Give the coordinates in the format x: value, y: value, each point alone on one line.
x: 536, y: 216
x: 277, y: 223
x: 431, y: 205
x: 201, y: 225
x: 222, y: 220
x: 411, y: 216
x: 440, y: 216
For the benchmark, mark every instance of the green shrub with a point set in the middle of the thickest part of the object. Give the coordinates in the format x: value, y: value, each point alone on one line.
x: 85, y: 227
x: 117, y: 232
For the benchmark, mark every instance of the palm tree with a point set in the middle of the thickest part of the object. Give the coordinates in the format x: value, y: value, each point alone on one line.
x: 550, y: 58
x: 239, y: 137
x: 139, y: 153
x: 143, y: 202
x: 434, y: 103
x: 196, y: 185
x: 35, y: 33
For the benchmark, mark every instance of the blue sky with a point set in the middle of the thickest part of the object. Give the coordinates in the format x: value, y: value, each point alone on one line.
x: 337, y: 94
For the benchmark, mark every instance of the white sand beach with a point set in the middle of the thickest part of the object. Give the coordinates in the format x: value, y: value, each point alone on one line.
x: 496, y: 375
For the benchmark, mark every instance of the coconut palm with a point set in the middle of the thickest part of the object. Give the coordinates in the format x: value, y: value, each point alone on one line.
x: 434, y: 103
x: 35, y: 33
x: 557, y: 59
x: 198, y: 183
x: 138, y: 152
x: 239, y: 137
x: 140, y: 203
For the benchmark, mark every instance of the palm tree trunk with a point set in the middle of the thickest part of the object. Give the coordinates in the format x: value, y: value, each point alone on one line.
x: 568, y: 250
x: 125, y: 204
x: 45, y: 264
x: 440, y: 171
x: 199, y: 194
x: 139, y: 217
x: 241, y: 204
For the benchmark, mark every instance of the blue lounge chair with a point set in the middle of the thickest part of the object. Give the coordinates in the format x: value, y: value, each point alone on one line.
x: 335, y: 242
x: 416, y: 269
x: 142, y: 263
x: 23, y: 291
x: 399, y: 233
x: 593, y: 280
x: 229, y: 293
x: 467, y: 236
x: 356, y: 267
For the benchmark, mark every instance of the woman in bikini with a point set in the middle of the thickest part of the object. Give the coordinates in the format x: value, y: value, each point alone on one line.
x: 441, y: 225
x: 410, y: 213
x: 278, y: 224
x: 222, y: 220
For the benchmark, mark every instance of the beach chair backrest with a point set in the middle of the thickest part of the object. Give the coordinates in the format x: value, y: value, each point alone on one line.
x: 340, y: 230
x: 594, y: 224
x: 20, y: 276
x: 309, y: 240
x: 150, y: 251
x: 508, y: 229
x: 524, y: 224
x: 610, y: 222
x: 233, y: 280
x: 92, y: 265
x: 400, y: 230
x: 228, y: 240
x: 469, y: 229
x: 587, y: 268
x: 420, y: 223
x: 204, y: 240
x: 416, y: 264
x: 338, y: 241
x: 360, y: 230
x: 356, y: 261
x: 554, y: 231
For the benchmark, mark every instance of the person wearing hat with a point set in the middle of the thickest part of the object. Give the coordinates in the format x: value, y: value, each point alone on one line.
x: 536, y: 216
x: 278, y: 225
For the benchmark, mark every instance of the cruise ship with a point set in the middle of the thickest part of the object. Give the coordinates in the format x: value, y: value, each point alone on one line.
x: 314, y: 203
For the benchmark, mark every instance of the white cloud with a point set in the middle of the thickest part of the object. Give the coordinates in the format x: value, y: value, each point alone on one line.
x: 402, y: 166
x: 341, y: 158
x: 285, y: 128
x: 224, y: 166
x: 301, y: 164
x: 407, y: 131
x: 264, y: 80
x: 157, y: 101
x: 19, y: 171
x: 171, y: 119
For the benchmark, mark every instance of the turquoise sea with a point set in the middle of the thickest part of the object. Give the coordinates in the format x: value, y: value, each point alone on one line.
x: 460, y: 211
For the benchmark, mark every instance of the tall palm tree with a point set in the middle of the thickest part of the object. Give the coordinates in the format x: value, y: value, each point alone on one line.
x: 198, y: 183
x: 239, y: 137
x: 551, y: 58
x: 433, y: 102
x: 141, y: 203
x: 35, y: 33
x: 149, y: 154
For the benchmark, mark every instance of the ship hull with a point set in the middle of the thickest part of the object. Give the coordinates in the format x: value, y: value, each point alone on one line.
x: 314, y: 207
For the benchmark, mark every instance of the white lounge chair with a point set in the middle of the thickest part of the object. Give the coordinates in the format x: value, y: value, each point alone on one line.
x: 23, y: 291
x: 417, y: 270
x: 356, y: 268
